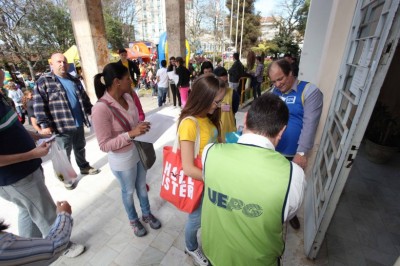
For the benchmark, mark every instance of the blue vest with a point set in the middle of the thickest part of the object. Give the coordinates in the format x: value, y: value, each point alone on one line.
x: 289, y: 141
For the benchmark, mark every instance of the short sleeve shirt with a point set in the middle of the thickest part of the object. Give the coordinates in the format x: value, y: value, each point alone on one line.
x: 208, y: 132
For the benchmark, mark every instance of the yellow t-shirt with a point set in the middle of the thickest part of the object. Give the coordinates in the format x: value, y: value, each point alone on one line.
x: 208, y: 132
x: 126, y: 64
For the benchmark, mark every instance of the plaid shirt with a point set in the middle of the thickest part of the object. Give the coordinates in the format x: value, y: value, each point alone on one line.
x: 52, y: 108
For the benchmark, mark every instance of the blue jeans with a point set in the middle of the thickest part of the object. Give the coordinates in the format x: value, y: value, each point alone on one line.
x: 37, y: 211
x: 162, y: 94
x: 74, y: 140
x: 134, y: 178
x: 192, y: 226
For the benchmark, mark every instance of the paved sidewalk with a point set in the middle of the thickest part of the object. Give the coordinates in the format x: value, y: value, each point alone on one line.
x: 100, y: 221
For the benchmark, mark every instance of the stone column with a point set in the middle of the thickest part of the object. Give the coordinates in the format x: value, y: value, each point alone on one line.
x: 90, y: 36
x: 175, y: 19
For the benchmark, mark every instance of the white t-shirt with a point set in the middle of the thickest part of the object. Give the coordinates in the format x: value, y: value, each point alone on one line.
x: 162, y: 73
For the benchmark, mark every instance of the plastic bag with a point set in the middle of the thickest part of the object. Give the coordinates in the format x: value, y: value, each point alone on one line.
x: 61, y: 165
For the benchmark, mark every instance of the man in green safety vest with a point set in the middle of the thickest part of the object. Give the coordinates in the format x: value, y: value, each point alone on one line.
x: 250, y: 190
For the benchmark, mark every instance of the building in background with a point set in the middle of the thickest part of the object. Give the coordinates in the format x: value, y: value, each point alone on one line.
x: 268, y: 30
x: 151, y: 21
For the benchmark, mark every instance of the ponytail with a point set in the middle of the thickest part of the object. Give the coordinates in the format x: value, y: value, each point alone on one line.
x: 99, y: 87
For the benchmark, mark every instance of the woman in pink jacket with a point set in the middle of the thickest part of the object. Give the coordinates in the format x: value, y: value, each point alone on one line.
x: 116, y: 123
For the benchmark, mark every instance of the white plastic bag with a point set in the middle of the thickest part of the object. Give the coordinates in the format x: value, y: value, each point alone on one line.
x: 61, y: 165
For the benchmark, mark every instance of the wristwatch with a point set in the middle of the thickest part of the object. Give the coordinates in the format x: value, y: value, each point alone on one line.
x: 300, y: 153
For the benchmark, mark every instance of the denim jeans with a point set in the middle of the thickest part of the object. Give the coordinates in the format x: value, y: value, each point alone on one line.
x: 192, y: 226
x: 162, y: 94
x: 134, y: 178
x: 74, y: 140
x: 37, y: 211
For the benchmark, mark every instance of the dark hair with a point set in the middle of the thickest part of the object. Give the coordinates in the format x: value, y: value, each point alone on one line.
x: 3, y: 226
x: 163, y: 63
x: 179, y: 59
x: 204, y: 90
x: 258, y: 58
x: 287, y: 55
x: 172, y: 58
x: 283, y: 65
x: 122, y: 50
x: 236, y: 56
x: 267, y: 115
x: 206, y: 65
x: 110, y: 72
x: 220, y: 72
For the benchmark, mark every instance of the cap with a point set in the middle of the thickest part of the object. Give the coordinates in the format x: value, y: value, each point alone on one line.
x: 220, y: 71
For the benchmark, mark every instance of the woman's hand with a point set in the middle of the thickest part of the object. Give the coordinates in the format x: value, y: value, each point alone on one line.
x: 140, y: 129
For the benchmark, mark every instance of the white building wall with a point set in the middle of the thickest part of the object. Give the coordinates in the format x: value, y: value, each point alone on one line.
x: 151, y: 21
x: 327, y: 31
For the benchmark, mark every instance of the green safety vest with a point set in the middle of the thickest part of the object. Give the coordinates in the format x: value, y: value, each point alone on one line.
x: 245, y: 193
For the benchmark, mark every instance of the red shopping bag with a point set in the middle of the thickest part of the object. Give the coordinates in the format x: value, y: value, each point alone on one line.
x: 177, y: 188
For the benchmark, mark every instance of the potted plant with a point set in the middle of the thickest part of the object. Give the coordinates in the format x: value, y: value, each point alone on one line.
x: 382, y: 135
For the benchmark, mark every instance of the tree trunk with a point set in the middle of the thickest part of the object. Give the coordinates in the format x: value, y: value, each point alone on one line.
x: 31, y: 69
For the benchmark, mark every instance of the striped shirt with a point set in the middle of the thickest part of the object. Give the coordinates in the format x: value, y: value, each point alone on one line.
x: 15, y: 250
x: 51, y: 105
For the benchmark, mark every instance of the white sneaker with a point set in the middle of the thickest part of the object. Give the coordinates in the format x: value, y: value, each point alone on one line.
x: 197, y: 256
x: 74, y: 250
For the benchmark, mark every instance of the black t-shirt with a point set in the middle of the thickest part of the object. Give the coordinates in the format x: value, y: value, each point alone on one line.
x: 29, y: 109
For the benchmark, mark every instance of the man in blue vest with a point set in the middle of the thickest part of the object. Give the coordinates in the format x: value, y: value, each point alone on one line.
x: 250, y: 190
x: 304, y: 101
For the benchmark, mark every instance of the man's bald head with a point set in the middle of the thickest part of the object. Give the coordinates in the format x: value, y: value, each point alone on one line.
x: 59, y: 64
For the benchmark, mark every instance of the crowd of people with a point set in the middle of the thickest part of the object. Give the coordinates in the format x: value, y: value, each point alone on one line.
x: 242, y: 213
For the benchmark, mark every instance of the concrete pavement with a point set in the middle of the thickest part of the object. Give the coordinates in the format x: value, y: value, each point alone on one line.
x: 100, y: 221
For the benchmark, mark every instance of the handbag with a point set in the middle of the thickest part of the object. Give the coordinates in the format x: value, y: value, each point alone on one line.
x: 146, y: 150
x: 183, y: 191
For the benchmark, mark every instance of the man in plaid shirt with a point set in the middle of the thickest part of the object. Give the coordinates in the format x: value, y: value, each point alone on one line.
x: 62, y: 106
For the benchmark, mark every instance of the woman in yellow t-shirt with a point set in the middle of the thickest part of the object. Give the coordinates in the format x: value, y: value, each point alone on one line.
x: 204, y: 104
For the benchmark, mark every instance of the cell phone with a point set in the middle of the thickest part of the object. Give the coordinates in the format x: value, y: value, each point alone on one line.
x: 47, y: 140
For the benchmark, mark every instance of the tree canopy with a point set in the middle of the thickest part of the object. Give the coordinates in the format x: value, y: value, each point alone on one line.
x: 251, y: 29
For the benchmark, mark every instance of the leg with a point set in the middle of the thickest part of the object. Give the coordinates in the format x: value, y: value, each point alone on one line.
x: 178, y: 95
x: 127, y: 180
x: 65, y: 143
x: 174, y: 94
x: 191, y: 228
x: 33, y: 199
x: 79, y: 144
x: 141, y: 189
x: 259, y: 89
x: 184, y: 95
x: 164, y: 95
x: 159, y: 97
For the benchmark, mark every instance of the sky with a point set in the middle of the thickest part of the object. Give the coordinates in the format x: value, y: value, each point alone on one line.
x: 265, y: 6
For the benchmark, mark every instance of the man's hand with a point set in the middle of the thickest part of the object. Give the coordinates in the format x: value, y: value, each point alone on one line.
x: 301, y: 160
x: 46, y: 131
x: 41, y: 150
x: 63, y: 206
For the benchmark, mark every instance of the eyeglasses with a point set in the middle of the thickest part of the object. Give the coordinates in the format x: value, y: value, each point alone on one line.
x: 218, y: 103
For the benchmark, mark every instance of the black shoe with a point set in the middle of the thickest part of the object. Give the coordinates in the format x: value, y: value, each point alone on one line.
x: 295, y: 223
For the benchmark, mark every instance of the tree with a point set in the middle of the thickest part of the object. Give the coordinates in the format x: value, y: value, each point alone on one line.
x: 291, y: 25
x: 251, y: 29
x: 32, y: 30
x: 120, y: 15
x: 195, y: 22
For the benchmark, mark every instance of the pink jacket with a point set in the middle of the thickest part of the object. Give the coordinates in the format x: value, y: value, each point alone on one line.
x: 110, y: 135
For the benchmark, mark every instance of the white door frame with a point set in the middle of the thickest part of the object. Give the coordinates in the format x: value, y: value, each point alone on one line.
x: 367, y: 59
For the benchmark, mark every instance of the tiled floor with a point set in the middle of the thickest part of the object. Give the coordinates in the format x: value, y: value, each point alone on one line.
x: 364, y: 231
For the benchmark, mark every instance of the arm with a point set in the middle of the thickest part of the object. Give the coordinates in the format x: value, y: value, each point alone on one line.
x: 313, y: 102
x: 296, y: 192
x: 87, y: 105
x: 187, y: 154
x: 35, y: 125
x: 37, y: 152
x: 41, y: 106
x: 142, y: 115
x: 178, y: 72
x: 38, y: 250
